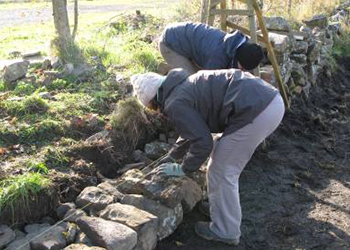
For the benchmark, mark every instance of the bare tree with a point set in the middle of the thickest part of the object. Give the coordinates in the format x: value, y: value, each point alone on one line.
x: 68, y: 51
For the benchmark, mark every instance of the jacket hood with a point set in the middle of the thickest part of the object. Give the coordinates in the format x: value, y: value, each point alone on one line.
x: 234, y: 41
x: 172, y: 80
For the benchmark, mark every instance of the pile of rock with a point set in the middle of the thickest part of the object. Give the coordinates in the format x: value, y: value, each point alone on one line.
x: 303, y: 54
x: 131, y: 212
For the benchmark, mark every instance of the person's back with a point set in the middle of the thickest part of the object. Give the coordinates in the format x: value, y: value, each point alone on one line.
x: 207, y: 48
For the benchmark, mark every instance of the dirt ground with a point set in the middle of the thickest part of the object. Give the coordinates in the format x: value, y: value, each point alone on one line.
x: 295, y: 191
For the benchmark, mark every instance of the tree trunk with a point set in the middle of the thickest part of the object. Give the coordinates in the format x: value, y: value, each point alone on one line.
x: 289, y: 7
x: 75, y: 19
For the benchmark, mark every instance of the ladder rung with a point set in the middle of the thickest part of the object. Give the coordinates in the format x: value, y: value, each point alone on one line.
x: 231, y: 12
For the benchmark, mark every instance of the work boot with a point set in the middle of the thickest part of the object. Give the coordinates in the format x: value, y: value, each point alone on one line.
x: 204, y: 209
x: 203, y: 230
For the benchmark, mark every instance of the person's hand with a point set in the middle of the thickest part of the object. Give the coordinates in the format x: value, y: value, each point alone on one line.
x: 170, y: 169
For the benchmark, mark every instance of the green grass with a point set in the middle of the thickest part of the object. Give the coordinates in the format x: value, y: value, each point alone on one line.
x: 20, y: 188
x: 342, y: 44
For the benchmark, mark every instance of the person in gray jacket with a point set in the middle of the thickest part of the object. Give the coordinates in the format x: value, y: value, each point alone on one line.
x: 196, y: 46
x: 242, y: 107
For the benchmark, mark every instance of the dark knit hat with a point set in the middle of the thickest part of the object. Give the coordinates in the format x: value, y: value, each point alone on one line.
x: 249, y: 55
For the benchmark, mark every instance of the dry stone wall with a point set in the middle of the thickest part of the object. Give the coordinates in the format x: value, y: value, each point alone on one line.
x: 303, y: 54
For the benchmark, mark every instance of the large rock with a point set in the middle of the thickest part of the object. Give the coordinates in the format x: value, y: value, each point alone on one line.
x: 110, y: 189
x: 317, y: 21
x: 7, y: 235
x: 15, y: 71
x: 144, y: 223
x: 169, y: 191
x: 168, y: 218
x: 155, y: 150
x: 32, y: 228
x: 94, y: 199
x: 50, y: 240
x: 319, y: 34
x: 341, y: 16
x: 81, y: 238
x: 314, y: 51
x: 108, y: 234
x: 300, y: 47
x: 82, y: 247
x: 277, y: 24
x: 21, y: 244
x: 268, y: 75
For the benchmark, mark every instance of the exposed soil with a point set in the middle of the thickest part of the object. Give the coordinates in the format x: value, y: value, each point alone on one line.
x: 295, y: 191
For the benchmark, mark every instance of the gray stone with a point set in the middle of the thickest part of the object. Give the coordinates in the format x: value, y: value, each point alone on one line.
x: 317, y: 21
x: 280, y: 42
x: 49, y: 240
x: 108, y: 234
x: 19, y: 234
x: 82, y: 247
x: 168, y: 218
x: 155, y: 150
x: 47, y: 96
x: 286, y: 71
x: 144, y: 223
x: 98, y: 136
x: 138, y: 156
x: 46, y: 64
x: 20, y: 244
x: 31, y: 54
x: 319, y: 35
x: 32, y: 228
x: 110, y: 189
x: 341, y: 16
x: 268, y: 75
x: 277, y: 24
x: 71, y: 233
x: 299, y: 75
x: 300, y: 47
x: 335, y: 28
x: 312, y: 72
x: 56, y: 62
x: 306, y: 31
x: 314, y: 51
x: 7, y: 235
x: 81, y: 70
x: 64, y: 208
x: 15, y: 71
x: 15, y: 54
x: 81, y: 238
x: 93, y: 199
x: 169, y: 191
x: 299, y: 58
x: 162, y: 138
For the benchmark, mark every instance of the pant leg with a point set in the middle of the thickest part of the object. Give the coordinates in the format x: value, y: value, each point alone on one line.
x: 228, y: 159
x: 176, y: 60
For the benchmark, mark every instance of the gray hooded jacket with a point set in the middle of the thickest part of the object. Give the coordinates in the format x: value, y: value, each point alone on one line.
x: 208, y: 47
x: 210, y: 102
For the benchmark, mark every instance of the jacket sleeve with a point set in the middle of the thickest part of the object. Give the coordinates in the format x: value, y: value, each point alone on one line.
x: 180, y: 148
x: 193, y: 128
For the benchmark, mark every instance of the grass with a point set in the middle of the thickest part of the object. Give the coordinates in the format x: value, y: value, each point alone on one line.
x: 342, y: 44
x: 21, y: 188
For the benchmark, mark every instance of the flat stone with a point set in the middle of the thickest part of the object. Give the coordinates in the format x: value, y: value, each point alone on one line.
x: 31, y: 54
x: 169, y: 191
x: 144, y: 223
x: 319, y: 35
x: 7, y: 235
x: 317, y: 21
x: 110, y: 189
x: 300, y: 47
x: 32, y: 228
x: 168, y: 218
x: 268, y: 75
x: 20, y: 244
x: 277, y: 24
x: 82, y: 247
x: 94, y: 199
x: 299, y: 58
x: 50, y: 240
x: 63, y: 209
x: 299, y: 75
x: 108, y: 234
x: 155, y: 150
x: 15, y: 71
x: 98, y: 136
x: 19, y: 234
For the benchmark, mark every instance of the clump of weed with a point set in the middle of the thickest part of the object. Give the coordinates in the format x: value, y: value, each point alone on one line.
x: 341, y: 46
x: 30, y: 105
x: 57, y: 84
x: 38, y: 167
x: 24, y: 88
x: 21, y: 188
x: 55, y: 158
x: 129, y: 122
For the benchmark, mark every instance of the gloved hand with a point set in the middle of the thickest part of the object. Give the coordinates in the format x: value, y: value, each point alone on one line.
x: 170, y: 169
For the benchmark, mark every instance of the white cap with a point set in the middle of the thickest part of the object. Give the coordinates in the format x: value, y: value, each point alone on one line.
x: 146, y: 86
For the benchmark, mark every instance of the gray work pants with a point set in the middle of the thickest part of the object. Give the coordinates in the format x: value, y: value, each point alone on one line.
x: 230, y: 155
x: 175, y: 60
